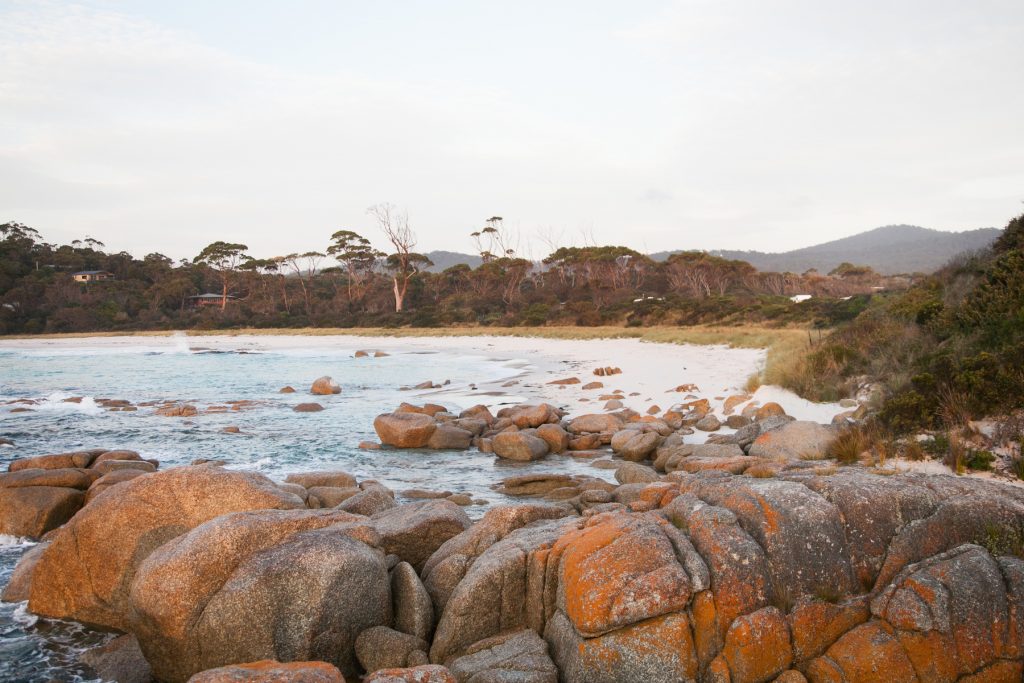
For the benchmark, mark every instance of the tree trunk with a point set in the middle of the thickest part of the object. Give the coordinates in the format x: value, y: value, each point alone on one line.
x: 399, y: 294
x: 224, y: 295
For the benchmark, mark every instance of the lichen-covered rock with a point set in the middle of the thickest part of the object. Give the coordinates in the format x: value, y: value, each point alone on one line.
x: 87, y: 570
x: 657, y: 650
x: 260, y: 585
x: 619, y: 570
x: 269, y: 671
x: 757, y: 646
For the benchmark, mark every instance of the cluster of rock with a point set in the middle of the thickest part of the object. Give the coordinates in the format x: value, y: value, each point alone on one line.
x: 41, y: 493
x: 523, y: 432
x: 708, y: 576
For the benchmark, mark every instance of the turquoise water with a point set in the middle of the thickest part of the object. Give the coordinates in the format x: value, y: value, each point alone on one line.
x: 275, y: 440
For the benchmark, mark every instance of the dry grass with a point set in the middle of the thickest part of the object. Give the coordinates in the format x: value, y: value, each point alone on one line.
x: 956, y: 458
x: 850, y: 445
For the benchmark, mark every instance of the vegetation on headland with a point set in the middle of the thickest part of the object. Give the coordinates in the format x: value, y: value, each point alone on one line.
x: 947, y: 350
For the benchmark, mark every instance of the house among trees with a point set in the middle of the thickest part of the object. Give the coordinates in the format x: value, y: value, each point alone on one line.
x: 210, y: 299
x: 92, y: 275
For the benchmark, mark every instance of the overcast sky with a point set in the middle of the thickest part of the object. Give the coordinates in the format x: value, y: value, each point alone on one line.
x: 746, y: 124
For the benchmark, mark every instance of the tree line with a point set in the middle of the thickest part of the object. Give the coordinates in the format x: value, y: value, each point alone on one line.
x: 352, y: 283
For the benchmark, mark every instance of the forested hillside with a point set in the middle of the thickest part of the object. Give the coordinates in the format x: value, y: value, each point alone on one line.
x: 352, y: 283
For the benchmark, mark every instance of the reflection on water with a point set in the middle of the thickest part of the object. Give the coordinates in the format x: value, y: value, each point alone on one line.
x: 274, y: 439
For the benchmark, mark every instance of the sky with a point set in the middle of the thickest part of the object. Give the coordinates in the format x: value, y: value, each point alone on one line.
x: 655, y: 124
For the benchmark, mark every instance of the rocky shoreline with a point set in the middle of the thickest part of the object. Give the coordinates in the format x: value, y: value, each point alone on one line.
x: 747, y: 558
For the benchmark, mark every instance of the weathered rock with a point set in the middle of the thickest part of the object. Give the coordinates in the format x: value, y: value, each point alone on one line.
x: 595, y: 424
x: 331, y: 496
x: 108, y: 466
x: 287, y: 390
x: 516, y: 657
x: 736, y: 421
x: 324, y: 386
x: 634, y: 445
x: 414, y: 531
x: 478, y: 412
x: 31, y: 511
x: 20, y: 583
x: 449, y: 436
x: 405, y: 430
x: 757, y: 646
x: 526, y: 416
x: 369, y: 501
x: 635, y: 473
x: 412, y: 607
x: 708, y: 423
x: 769, y: 410
x: 449, y: 564
x: 107, y: 481
x: 260, y: 585
x: 269, y: 671
x: 657, y: 650
x: 381, y: 647
x: 619, y: 570
x: 120, y: 660
x: 79, y: 479
x: 428, y: 673
x: 793, y: 440
x: 86, y: 571
x: 177, y: 410
x: 57, y: 461
x: 308, y: 408
x: 519, y: 446
x: 335, y: 478
x: 556, y: 437
x: 503, y: 589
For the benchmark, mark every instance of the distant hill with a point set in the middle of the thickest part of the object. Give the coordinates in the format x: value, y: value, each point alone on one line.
x: 446, y: 259
x: 889, y: 250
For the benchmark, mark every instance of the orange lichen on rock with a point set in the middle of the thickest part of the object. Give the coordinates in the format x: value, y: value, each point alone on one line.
x: 757, y: 646
x: 619, y: 570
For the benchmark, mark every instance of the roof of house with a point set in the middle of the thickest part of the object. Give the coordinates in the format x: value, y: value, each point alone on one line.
x: 93, y: 272
x: 210, y: 295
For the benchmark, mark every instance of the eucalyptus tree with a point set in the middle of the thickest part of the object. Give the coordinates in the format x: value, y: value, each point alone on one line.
x: 225, y: 258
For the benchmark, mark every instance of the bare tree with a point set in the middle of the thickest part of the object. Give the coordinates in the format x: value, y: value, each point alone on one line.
x: 395, y: 227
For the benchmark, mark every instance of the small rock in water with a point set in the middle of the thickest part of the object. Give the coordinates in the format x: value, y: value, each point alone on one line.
x: 325, y: 386
x: 231, y: 429
x: 308, y: 408
x: 286, y: 390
